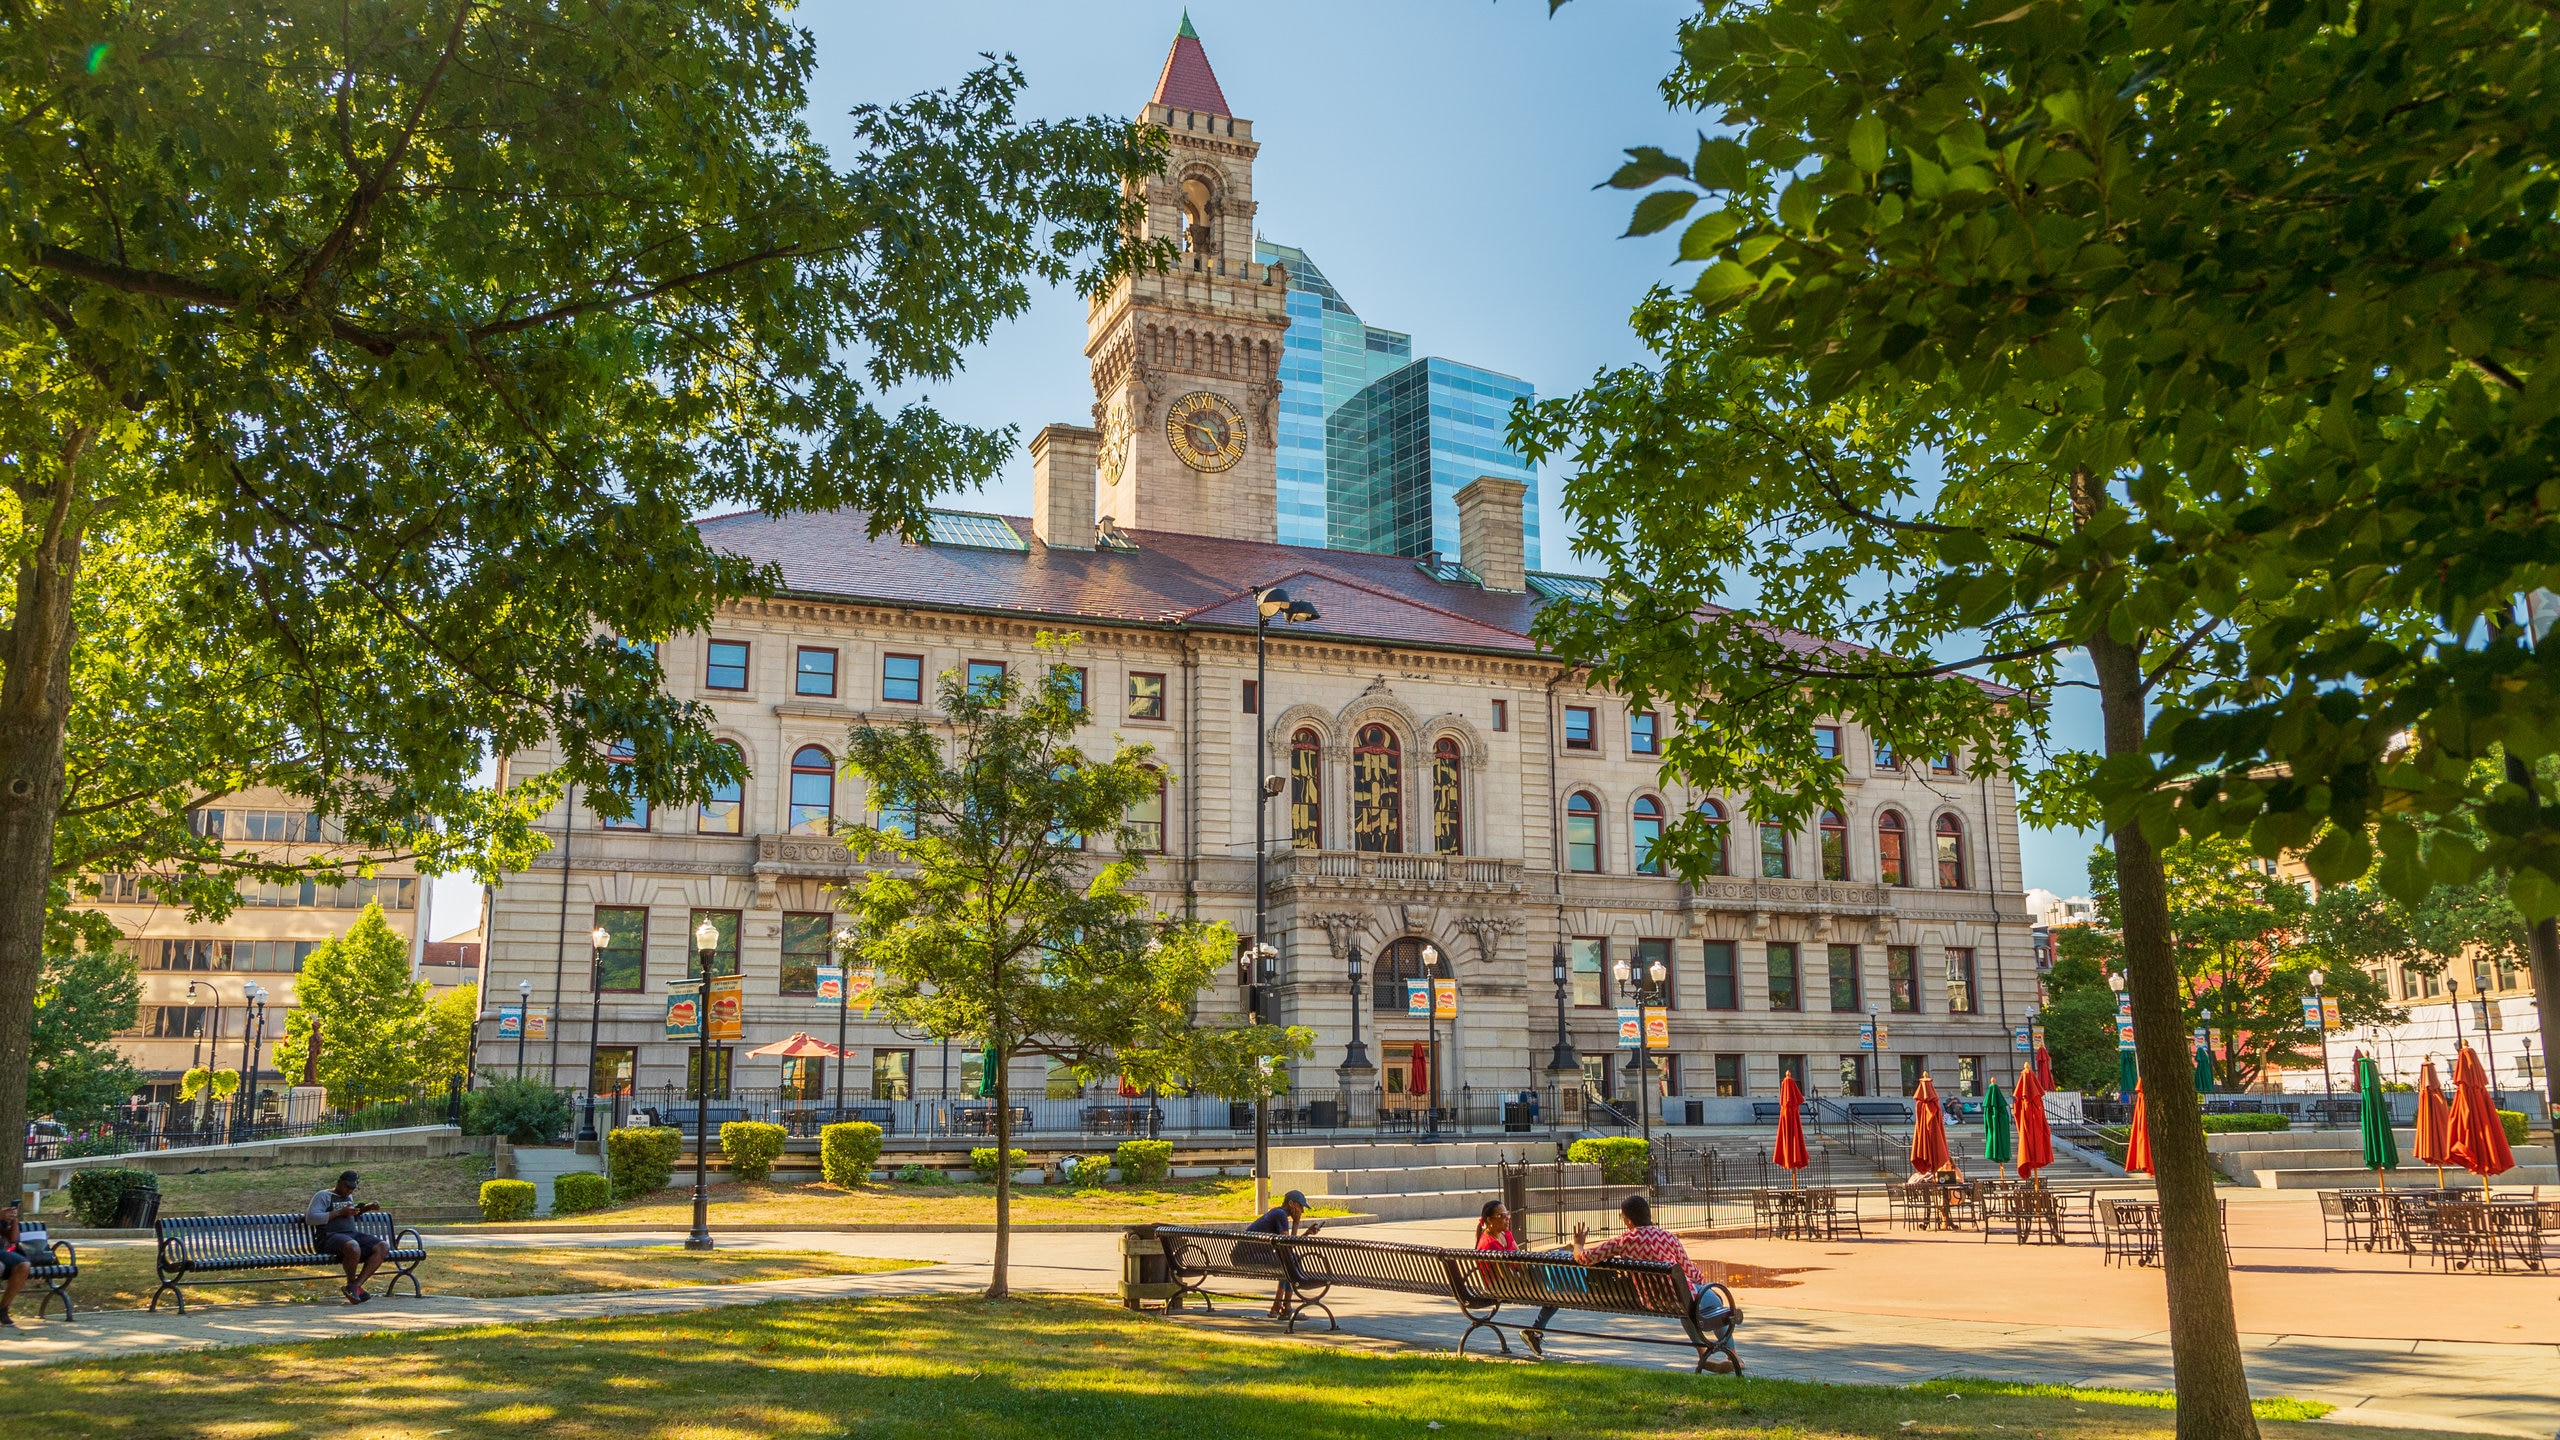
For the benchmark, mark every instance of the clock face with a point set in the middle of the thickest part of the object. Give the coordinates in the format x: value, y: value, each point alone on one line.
x: 1207, y: 433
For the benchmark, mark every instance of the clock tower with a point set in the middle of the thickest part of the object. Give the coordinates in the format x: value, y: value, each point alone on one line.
x: 1186, y: 363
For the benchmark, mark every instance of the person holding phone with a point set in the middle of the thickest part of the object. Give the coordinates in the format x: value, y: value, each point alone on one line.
x: 334, y: 1234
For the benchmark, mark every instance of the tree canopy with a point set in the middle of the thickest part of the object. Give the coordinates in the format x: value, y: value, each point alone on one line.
x: 370, y: 1019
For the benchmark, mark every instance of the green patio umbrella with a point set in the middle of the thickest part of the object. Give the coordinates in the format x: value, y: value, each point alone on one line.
x: 2381, y: 1147
x: 2125, y: 1078
x: 987, y: 1073
x: 1999, y: 1141
x: 2204, y: 1071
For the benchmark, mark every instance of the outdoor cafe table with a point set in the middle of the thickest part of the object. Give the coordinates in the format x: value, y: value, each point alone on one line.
x: 2031, y: 1213
x: 1800, y: 1214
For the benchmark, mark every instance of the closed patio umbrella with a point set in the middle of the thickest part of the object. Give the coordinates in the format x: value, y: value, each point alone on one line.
x: 2204, y: 1071
x: 2044, y: 1067
x: 2381, y: 1147
x: 1928, y: 1131
x: 1788, y: 1151
x: 987, y: 1073
x: 1418, y: 1079
x: 2435, y: 1123
x: 2035, y: 1133
x: 1999, y: 1138
x: 2128, y: 1084
x: 2478, y: 1143
x: 2137, y: 1142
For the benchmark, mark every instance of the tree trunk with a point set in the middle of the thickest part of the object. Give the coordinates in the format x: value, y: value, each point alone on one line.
x: 997, y: 1287
x: 2542, y: 961
x: 35, y: 700
x: 2204, y: 1333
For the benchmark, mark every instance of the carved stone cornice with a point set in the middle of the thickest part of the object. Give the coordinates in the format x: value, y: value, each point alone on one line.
x: 1488, y: 931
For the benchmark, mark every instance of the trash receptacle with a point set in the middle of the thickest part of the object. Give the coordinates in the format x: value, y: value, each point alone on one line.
x: 1696, y: 1113
x: 1239, y: 1114
x: 138, y: 1206
x: 1144, y: 1272
x: 1324, y: 1114
x: 1515, y: 1116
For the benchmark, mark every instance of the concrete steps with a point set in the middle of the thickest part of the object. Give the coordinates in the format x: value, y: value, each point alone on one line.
x: 2334, y: 1159
x: 1416, y: 1181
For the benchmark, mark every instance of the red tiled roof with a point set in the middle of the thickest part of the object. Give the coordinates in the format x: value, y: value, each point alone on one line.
x: 1187, y: 82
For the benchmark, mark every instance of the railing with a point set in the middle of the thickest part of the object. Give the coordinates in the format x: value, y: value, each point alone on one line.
x: 1433, y: 871
x: 169, y: 1125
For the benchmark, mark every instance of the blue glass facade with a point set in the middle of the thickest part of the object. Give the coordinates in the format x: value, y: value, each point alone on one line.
x: 1375, y: 445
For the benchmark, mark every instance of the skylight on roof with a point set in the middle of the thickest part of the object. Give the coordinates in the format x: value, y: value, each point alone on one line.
x: 1568, y: 587
x: 1449, y: 572
x: 968, y: 528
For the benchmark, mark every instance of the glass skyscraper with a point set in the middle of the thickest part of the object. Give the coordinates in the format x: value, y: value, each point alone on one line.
x: 1375, y: 445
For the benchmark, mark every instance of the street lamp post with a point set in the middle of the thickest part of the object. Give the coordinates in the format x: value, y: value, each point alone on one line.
x: 2115, y: 982
x: 597, y: 939
x: 524, y: 1021
x: 1641, y: 1066
x: 2488, y: 1037
x: 1269, y: 603
x: 1563, y: 1062
x: 706, y: 940
x: 2320, y: 1017
x: 1431, y: 1023
x: 844, y: 1004
x: 1355, y: 1069
x: 253, y: 1023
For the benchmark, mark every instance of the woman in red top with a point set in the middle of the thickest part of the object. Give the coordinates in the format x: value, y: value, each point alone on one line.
x: 1493, y: 1228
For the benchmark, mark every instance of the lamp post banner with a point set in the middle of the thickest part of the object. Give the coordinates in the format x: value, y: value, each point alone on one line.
x: 830, y: 985
x: 510, y: 1022
x: 1630, y: 1027
x: 862, y: 989
x: 684, y: 1017
x: 728, y: 1008
x: 1417, y: 998
x: 1444, y: 999
x: 1657, y: 1028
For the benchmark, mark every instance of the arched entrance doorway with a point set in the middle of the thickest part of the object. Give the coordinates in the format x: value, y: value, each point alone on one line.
x: 1404, y: 1088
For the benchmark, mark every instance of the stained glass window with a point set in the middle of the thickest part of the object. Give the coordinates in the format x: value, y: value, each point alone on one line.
x: 1306, y: 791
x: 1377, y: 792
x: 1448, y: 810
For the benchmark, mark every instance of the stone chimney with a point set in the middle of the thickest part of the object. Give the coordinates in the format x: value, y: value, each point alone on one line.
x: 1490, y: 540
x: 1062, y: 481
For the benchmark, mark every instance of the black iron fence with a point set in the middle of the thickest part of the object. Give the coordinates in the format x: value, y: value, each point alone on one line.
x: 1368, y: 1114
x: 268, y: 1115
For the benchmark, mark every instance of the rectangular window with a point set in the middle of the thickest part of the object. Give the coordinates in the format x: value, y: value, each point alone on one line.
x: 1791, y: 1067
x: 1670, y: 1074
x: 1826, y: 741
x: 1853, y: 1074
x: 804, y: 1077
x: 622, y: 963
x: 1147, y: 819
x: 1885, y: 758
x: 1581, y: 728
x: 1969, y: 1074
x: 1666, y: 992
x: 806, y: 944
x: 1902, y: 978
x: 1783, y: 994
x: 1252, y: 698
x: 902, y: 679
x: 719, y: 1072
x: 614, y: 1070
x: 815, y: 673
x: 724, y: 955
x: 985, y: 676
x: 1942, y: 764
x: 1146, y: 696
x: 1961, y: 999
x: 1729, y: 1076
x: 1844, y: 979
x: 1775, y: 862
x: 726, y: 669
x: 1913, y: 1067
x: 1501, y: 716
x: 1642, y: 737
x: 619, y: 754
x: 1720, y: 991
x: 1590, y: 965
x: 893, y: 1074
x: 1075, y: 676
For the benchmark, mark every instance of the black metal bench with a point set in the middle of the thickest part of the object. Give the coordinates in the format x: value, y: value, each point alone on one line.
x: 54, y: 1263
x: 1765, y: 1112
x: 1879, y: 1110
x: 1195, y: 1256
x: 241, y: 1246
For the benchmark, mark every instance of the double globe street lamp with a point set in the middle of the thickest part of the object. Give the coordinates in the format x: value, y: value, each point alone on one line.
x: 1270, y: 603
x: 706, y: 944
x: 1640, y: 1066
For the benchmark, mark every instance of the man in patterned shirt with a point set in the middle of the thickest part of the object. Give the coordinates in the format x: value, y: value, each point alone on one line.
x: 1642, y: 1240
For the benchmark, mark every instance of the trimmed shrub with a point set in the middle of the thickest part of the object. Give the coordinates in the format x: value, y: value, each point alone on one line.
x: 85, y: 1147
x: 2245, y: 1123
x: 506, y: 1199
x: 641, y: 1158
x: 847, y: 1151
x: 983, y: 1161
x: 1089, y: 1171
x: 1144, y: 1162
x: 2512, y: 1121
x: 524, y: 1110
x: 751, y: 1147
x: 96, y: 1193
x: 1622, y: 1158
x: 580, y: 1191
x: 921, y: 1175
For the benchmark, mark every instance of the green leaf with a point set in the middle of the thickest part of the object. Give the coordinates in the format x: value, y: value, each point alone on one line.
x: 1722, y: 164
x: 1797, y: 207
x: 1722, y: 281
x: 1866, y: 142
x: 1707, y: 232
x: 1648, y: 166
x: 1657, y: 211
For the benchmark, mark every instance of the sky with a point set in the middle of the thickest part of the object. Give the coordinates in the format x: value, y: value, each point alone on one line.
x: 1436, y: 157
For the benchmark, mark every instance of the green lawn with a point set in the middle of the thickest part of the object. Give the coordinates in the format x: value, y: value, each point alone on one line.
x: 945, y: 1368
x: 818, y: 1203
x: 122, y: 1277
x: 401, y: 1186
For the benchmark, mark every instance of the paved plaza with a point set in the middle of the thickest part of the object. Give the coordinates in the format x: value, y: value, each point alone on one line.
x: 2387, y: 1343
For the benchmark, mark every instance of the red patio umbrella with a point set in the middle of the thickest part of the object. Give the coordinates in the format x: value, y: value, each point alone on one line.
x: 1928, y: 1131
x: 2044, y: 1067
x: 800, y: 1046
x: 2035, y: 1132
x: 2478, y: 1143
x: 2137, y: 1142
x: 2435, y: 1123
x: 1418, y: 1078
x: 1787, y: 1152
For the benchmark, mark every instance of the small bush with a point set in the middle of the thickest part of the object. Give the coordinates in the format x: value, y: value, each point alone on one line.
x: 524, y: 1110
x: 2245, y: 1123
x: 580, y: 1191
x: 506, y: 1199
x: 96, y: 1193
x: 1144, y: 1162
x: 1089, y: 1171
x: 751, y: 1147
x: 641, y: 1158
x: 921, y: 1175
x: 847, y: 1151
x: 983, y: 1161
x: 1622, y: 1158
x: 2512, y: 1121
x: 86, y: 1147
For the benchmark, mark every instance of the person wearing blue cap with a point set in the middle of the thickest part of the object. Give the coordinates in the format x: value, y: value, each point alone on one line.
x: 1282, y: 1219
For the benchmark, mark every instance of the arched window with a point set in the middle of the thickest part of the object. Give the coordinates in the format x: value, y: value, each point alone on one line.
x: 1581, y: 834
x: 1893, y: 866
x: 1719, y: 834
x: 1306, y: 791
x: 1835, y: 846
x: 1647, y: 832
x: 1399, y: 962
x: 1775, y: 862
x: 619, y: 755
x: 813, y: 791
x: 1950, y: 853
x: 1448, y: 808
x: 725, y: 813
x: 1377, y: 792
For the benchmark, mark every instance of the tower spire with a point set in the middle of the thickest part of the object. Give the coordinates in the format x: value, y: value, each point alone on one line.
x: 1187, y: 82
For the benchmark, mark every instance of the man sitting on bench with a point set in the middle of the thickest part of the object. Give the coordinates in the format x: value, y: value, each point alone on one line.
x: 333, y: 1233
x: 1642, y: 1240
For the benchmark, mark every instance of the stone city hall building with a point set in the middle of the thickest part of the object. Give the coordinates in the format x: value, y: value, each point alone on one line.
x: 1447, y: 783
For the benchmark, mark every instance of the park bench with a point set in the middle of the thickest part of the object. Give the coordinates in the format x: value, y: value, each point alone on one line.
x: 52, y: 1263
x: 241, y: 1247
x: 1765, y: 1112
x: 1479, y: 1282
x: 1879, y: 1111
